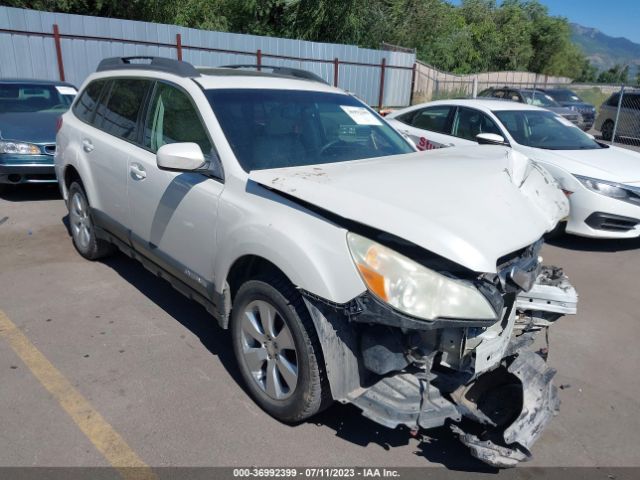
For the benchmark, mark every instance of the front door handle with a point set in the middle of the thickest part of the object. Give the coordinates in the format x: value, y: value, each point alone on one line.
x: 87, y: 146
x: 137, y: 171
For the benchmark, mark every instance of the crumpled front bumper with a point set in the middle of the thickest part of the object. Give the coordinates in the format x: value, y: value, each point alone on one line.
x: 540, y: 403
x: 409, y: 399
x: 498, y: 412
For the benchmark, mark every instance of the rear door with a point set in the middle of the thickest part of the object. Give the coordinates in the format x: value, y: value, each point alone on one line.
x: 174, y: 213
x: 428, y: 127
x: 108, y: 147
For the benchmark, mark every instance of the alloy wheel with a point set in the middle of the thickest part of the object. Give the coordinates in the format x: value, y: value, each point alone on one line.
x: 80, y: 221
x: 268, y: 349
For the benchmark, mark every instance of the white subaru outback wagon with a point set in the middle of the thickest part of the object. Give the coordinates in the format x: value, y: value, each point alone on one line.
x: 347, y: 266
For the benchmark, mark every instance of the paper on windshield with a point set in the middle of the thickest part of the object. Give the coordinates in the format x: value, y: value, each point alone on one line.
x: 64, y: 90
x: 360, y: 115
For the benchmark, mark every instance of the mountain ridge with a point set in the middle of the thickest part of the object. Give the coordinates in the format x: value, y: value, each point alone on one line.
x: 604, y: 51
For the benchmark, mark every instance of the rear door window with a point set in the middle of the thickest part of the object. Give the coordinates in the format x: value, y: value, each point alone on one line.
x: 434, y: 119
x: 86, y: 104
x: 123, y: 107
x: 631, y: 101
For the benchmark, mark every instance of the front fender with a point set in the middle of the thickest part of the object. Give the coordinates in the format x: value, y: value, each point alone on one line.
x: 311, y: 251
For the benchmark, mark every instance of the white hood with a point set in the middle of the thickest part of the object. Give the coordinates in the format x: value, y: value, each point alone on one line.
x: 613, y: 164
x: 471, y: 205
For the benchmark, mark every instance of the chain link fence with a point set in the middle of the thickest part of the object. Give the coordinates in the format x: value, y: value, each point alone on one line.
x: 619, y: 117
x: 609, y: 112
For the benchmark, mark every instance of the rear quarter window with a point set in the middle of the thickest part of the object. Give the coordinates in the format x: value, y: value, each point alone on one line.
x: 613, y: 100
x: 85, y: 106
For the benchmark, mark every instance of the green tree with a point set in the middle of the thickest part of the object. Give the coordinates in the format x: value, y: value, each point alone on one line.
x: 616, y: 74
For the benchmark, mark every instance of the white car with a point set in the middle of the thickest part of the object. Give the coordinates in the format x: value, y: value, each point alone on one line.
x: 601, y: 181
x: 346, y: 265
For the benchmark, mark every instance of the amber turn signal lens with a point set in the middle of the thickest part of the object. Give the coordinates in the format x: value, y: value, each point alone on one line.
x: 374, y: 281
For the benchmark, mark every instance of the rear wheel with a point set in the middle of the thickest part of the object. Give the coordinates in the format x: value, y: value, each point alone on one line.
x: 607, y: 130
x: 82, y: 226
x: 277, y: 349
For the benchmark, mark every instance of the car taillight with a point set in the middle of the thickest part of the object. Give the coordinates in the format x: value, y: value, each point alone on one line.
x: 58, y: 124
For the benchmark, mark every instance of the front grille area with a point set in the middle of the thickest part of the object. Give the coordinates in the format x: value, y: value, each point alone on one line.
x: 611, y: 223
x: 49, y: 149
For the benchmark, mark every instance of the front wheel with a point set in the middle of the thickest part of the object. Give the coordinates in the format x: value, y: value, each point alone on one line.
x: 82, y: 227
x: 277, y: 349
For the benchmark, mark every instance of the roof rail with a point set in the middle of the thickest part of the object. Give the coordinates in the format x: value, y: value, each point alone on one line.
x: 160, y: 64
x: 283, y: 71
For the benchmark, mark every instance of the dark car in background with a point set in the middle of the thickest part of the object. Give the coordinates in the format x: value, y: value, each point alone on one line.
x: 570, y: 99
x: 535, y: 97
x: 29, y: 112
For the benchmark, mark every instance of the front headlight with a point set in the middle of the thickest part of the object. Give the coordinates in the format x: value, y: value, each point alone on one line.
x: 414, y: 289
x: 611, y: 189
x: 17, y: 148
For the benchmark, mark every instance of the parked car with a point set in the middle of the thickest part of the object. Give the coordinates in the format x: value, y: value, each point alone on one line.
x: 29, y: 110
x: 536, y: 98
x: 628, y: 119
x: 346, y: 265
x: 570, y: 99
x: 602, y: 181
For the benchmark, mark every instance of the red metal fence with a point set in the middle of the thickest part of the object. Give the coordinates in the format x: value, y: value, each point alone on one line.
x: 179, y: 47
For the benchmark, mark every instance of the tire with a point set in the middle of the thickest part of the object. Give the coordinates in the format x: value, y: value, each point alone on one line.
x: 259, y: 355
x: 607, y: 130
x: 82, y: 226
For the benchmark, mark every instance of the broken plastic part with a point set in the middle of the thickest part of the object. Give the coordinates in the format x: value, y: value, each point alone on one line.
x: 490, y: 452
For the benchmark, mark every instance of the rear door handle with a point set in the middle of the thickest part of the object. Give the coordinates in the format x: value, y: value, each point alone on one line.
x: 137, y: 171
x: 87, y: 146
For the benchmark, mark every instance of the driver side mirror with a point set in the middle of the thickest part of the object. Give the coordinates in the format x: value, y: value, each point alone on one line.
x: 180, y: 157
x: 490, y: 139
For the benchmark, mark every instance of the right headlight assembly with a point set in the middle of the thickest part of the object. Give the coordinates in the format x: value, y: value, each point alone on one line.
x: 414, y: 289
x: 611, y: 189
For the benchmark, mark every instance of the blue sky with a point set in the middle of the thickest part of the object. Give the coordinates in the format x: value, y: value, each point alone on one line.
x: 617, y: 18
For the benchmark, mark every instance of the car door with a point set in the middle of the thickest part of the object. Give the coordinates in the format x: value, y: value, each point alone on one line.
x: 108, y: 147
x: 428, y: 127
x: 174, y: 213
x: 469, y: 122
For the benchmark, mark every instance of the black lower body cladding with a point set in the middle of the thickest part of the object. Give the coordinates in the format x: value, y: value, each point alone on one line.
x: 428, y: 377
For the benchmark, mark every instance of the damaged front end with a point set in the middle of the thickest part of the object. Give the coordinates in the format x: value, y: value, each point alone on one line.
x: 488, y: 380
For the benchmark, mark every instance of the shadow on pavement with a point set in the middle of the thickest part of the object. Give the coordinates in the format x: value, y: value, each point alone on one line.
x: 189, y: 313
x: 30, y: 192
x: 571, y: 242
x: 441, y: 447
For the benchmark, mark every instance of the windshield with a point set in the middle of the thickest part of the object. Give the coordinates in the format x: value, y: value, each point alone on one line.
x: 540, y: 129
x: 539, y: 99
x: 290, y: 128
x: 565, y: 96
x: 29, y: 98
